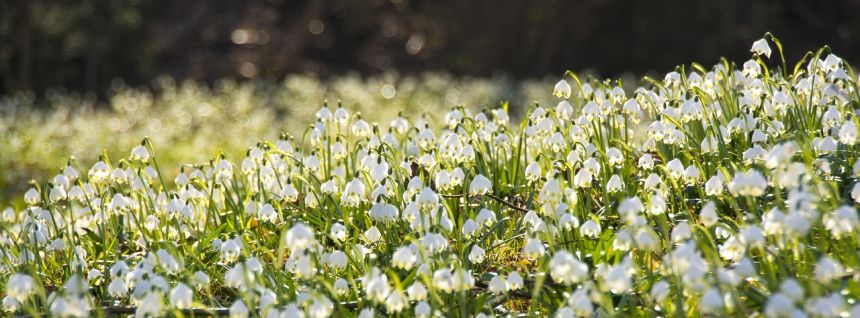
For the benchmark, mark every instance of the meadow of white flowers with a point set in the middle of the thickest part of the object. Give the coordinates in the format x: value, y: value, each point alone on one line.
x: 728, y: 191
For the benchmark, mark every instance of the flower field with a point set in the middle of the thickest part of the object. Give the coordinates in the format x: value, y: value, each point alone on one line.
x: 721, y: 191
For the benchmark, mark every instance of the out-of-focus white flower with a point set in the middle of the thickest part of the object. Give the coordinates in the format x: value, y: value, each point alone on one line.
x: 239, y: 309
x: 533, y: 248
x: 591, y: 229
x: 181, y: 296
x: 566, y: 269
x: 476, y: 255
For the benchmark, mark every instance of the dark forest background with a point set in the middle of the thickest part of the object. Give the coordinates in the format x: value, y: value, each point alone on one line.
x: 84, y: 45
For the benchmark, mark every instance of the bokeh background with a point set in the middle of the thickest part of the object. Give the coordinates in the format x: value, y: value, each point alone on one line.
x: 86, y: 77
x: 85, y: 44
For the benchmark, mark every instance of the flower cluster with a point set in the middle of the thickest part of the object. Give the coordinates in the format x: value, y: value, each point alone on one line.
x: 722, y: 191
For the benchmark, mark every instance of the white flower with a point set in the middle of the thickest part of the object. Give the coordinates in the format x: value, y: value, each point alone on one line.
x: 338, y: 231
x: 422, y: 310
x: 230, y: 250
x: 828, y: 269
x: 760, y: 47
x: 118, y: 288
x: 10, y: 304
x: 498, y: 285
x: 751, y: 183
x: 565, y: 269
x: 20, y: 286
x: 480, y: 185
x: 395, y: 302
x: 338, y: 259
x: 403, y: 258
x: 181, y: 296
x: 561, y: 89
x: 842, y: 221
x: 476, y: 255
x: 341, y: 286
x: 32, y: 197
x: 515, y: 281
x: 152, y: 305
x: 372, y: 235
x: 239, y: 309
x: 614, y: 184
x: 712, y: 301
x: 417, y: 291
x: 591, y: 229
x: 299, y: 237
x: 533, y: 248
x: 659, y: 291
x: 583, y: 178
x: 140, y: 153
x: 200, y: 280
x: 848, y: 133
x: 533, y: 172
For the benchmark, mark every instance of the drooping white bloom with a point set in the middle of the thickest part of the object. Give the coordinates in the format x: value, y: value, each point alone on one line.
x: 561, y: 89
x: 591, y: 229
x: 760, y: 47
x: 566, y: 269
x: 533, y: 248
x: 480, y: 185
x: 181, y: 296
x: 476, y: 255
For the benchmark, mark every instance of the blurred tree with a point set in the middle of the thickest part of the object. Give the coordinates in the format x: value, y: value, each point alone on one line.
x: 84, y: 45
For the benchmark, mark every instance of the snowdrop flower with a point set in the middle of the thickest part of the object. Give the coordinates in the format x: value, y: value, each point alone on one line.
x: 565, y: 269
x: 338, y: 232
x: 341, y: 286
x: 32, y: 197
x: 842, y: 221
x: 372, y: 235
x: 712, y: 301
x: 533, y: 172
x: 10, y: 304
x: 200, y: 280
x: 659, y: 291
x: 181, y: 296
x: 714, y: 186
x: 848, y: 133
x: 791, y: 289
x: 760, y: 47
x: 752, y: 183
x: 708, y: 214
x: 614, y: 184
x: 675, y: 169
x: 239, y: 309
x: 403, y: 258
x: 582, y: 179
x: 299, y: 237
x: 533, y: 248
x: 828, y: 269
x: 514, y: 281
x: 498, y: 285
x: 230, y: 250
x: 140, y: 153
x: 118, y: 288
x: 561, y: 89
x: 591, y: 229
x: 480, y: 185
x: 476, y: 255
x: 20, y: 286
x: 422, y: 310
x: 417, y: 291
